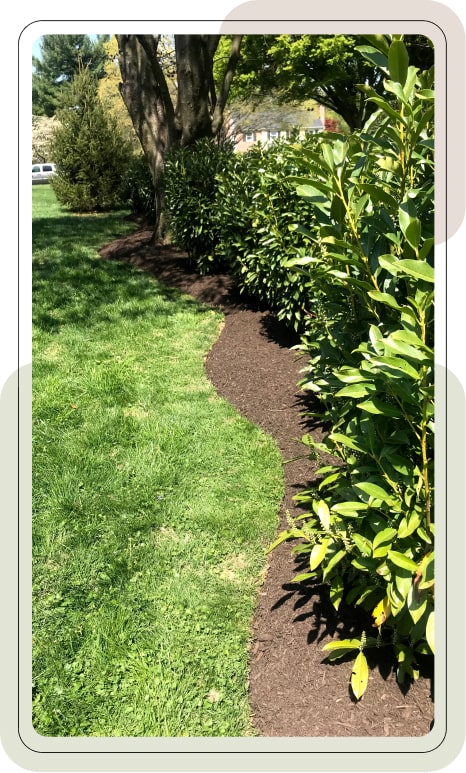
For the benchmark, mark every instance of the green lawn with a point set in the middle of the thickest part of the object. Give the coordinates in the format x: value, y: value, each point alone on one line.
x: 153, y: 500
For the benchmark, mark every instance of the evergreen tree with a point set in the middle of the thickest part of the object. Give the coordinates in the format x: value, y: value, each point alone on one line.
x: 88, y: 149
x: 61, y: 57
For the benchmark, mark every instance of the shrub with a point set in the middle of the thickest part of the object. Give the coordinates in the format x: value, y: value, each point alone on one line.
x: 190, y: 196
x: 257, y: 208
x: 88, y: 150
x: 369, y: 266
x: 137, y: 190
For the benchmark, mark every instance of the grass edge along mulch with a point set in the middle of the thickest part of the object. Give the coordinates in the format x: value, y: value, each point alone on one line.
x: 153, y: 501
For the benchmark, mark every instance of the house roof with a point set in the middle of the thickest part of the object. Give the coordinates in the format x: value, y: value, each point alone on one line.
x: 273, y: 119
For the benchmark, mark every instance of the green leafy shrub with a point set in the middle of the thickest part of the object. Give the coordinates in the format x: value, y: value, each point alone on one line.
x: 137, y: 190
x: 88, y: 150
x: 236, y: 212
x: 190, y: 196
x: 369, y: 266
x: 257, y: 208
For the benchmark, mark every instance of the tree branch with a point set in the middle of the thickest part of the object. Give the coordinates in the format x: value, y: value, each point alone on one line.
x: 222, y: 98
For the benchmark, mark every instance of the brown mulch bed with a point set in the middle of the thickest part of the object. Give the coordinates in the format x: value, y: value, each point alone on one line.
x: 293, y: 690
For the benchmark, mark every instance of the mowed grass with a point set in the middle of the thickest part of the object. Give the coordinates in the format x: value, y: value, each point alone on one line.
x: 153, y: 500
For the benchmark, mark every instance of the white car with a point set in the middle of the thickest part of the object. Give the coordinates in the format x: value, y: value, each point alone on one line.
x: 42, y: 172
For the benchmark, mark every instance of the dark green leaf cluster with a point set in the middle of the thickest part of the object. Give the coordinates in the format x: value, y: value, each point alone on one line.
x: 239, y: 212
x: 190, y: 188
x: 137, y: 191
x: 257, y: 209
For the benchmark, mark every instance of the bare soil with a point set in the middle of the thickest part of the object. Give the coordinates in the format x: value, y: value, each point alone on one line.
x: 294, y: 691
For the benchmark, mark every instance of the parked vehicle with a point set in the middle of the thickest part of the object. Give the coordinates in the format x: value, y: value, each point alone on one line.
x: 42, y: 172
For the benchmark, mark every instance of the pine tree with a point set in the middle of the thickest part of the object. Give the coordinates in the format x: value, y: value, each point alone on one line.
x: 88, y: 149
x: 61, y: 57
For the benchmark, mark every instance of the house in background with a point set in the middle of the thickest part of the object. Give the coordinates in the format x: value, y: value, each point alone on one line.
x: 265, y: 126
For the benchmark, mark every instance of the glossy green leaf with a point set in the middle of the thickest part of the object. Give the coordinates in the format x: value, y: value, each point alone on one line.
x: 362, y: 543
x: 408, y: 337
x: 385, y: 536
x: 385, y: 298
x: 410, y: 223
x: 428, y: 572
x: 424, y: 535
x: 376, y: 406
x: 349, y: 509
x: 351, y: 376
x: 404, y: 562
x: 403, y: 582
x: 417, y: 605
x: 334, y: 560
x: 336, y: 591
x: 375, y: 491
x: 321, y: 510
x: 328, y: 480
x: 408, y: 525
x: 354, y: 390
x: 337, y: 649
x: 398, y: 61
x: 344, y: 440
x: 396, y: 88
x: 416, y: 268
x: 374, y: 56
x: 304, y: 576
x: 365, y: 564
x: 404, y: 349
x: 328, y: 156
x: 379, y: 43
x: 397, y: 364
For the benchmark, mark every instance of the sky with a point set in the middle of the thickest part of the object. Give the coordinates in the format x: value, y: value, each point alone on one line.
x: 36, y: 46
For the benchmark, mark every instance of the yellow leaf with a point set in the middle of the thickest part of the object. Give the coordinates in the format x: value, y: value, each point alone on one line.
x: 318, y: 554
x: 381, y: 612
x: 430, y: 631
x: 359, y: 676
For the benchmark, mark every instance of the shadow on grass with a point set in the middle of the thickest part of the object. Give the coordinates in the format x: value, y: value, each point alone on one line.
x: 71, y: 284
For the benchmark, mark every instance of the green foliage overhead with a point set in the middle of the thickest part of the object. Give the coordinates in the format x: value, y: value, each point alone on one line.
x: 88, y: 149
x: 326, y: 68
x: 61, y: 57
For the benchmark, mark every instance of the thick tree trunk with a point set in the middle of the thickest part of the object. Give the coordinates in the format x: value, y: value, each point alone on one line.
x: 145, y: 93
x: 199, y: 112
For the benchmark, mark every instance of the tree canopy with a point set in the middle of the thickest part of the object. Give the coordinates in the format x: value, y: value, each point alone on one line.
x: 325, y: 68
x: 61, y: 57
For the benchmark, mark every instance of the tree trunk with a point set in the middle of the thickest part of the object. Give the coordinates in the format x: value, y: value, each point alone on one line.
x: 199, y: 112
x: 145, y: 93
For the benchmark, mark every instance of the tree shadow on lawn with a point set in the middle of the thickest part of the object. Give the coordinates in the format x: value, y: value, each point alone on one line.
x: 71, y: 286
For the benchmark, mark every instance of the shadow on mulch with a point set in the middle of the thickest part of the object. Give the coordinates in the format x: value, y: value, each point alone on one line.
x: 294, y: 690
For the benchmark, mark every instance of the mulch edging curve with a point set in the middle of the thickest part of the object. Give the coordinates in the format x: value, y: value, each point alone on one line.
x: 293, y: 691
